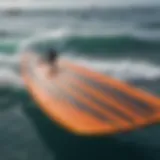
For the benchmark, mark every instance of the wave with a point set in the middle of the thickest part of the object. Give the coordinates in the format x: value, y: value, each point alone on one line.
x: 123, y: 44
x: 124, y: 69
x: 68, y: 40
x: 9, y: 78
x: 9, y: 46
x: 9, y: 73
x: 150, y: 25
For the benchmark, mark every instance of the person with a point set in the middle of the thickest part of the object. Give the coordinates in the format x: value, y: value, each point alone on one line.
x: 52, y: 60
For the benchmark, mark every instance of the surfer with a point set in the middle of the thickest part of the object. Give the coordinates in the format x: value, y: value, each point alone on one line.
x: 52, y: 60
x: 52, y: 56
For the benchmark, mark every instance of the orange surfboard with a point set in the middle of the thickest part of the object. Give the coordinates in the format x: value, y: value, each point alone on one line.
x: 86, y: 102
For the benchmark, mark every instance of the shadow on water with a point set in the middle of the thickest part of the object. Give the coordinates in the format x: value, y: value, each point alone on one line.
x: 67, y: 146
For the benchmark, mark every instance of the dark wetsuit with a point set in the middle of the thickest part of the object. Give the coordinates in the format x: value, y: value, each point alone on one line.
x: 52, y: 56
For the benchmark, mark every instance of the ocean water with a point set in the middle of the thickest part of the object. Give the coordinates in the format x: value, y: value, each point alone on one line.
x: 122, y: 42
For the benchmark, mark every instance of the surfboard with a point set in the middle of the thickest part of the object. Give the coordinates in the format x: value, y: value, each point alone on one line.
x: 86, y: 102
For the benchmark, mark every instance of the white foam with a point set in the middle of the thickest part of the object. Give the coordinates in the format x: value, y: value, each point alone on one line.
x: 9, y: 77
x: 122, y: 69
x: 56, y: 34
x: 9, y: 74
x: 9, y: 59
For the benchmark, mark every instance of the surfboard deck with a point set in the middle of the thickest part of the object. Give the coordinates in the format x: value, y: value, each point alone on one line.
x: 86, y: 102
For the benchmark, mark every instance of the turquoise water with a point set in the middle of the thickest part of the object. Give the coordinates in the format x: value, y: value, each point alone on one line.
x: 121, y: 42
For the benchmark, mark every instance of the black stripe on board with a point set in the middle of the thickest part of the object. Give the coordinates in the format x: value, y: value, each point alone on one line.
x: 102, y: 104
x: 85, y: 108
x: 139, y: 107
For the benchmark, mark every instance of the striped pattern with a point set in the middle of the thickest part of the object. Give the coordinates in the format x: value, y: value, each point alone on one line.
x: 87, y: 102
